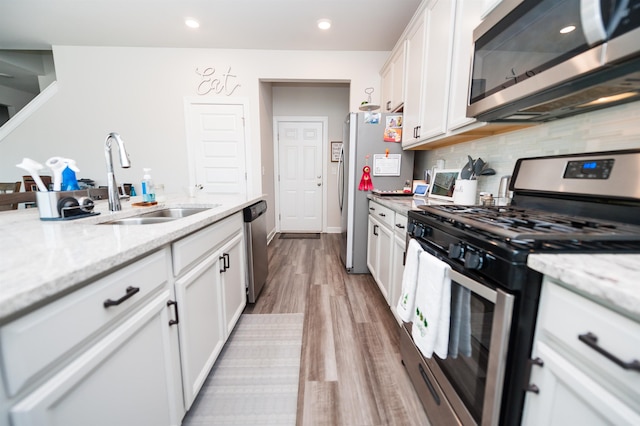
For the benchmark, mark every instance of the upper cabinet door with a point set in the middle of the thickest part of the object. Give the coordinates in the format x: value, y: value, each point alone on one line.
x: 393, y: 76
x: 437, y: 75
x: 466, y: 19
x: 413, y: 84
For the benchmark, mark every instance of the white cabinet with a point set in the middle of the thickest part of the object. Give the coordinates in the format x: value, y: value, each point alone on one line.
x: 393, y: 74
x: 211, y: 295
x: 397, y: 262
x: 413, y: 83
x: 380, y: 246
x: 439, y: 48
x: 467, y: 18
x: 576, y: 382
x: 437, y: 68
x: 126, y: 372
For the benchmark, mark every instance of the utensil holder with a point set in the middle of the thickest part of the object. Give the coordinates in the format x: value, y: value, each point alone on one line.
x: 465, y: 192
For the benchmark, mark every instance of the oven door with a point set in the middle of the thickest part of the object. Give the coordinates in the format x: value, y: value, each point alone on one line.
x: 471, y: 381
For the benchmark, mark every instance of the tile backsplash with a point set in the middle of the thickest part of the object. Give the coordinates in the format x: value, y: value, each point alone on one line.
x: 609, y: 129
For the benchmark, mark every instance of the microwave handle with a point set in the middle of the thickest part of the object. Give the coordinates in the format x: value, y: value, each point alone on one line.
x: 592, y: 22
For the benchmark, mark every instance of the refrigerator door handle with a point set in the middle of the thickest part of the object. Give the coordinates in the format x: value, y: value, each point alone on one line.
x: 341, y: 173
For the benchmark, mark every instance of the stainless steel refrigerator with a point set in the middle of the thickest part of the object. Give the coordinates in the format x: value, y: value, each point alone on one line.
x: 361, y: 138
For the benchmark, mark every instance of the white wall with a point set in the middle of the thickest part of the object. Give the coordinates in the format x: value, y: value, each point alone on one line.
x: 318, y: 100
x: 139, y: 92
x: 609, y: 129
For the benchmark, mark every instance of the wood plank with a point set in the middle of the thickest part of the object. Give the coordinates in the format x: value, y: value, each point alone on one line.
x: 351, y: 371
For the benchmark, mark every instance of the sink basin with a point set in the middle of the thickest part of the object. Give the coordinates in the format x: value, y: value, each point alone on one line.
x: 157, y: 216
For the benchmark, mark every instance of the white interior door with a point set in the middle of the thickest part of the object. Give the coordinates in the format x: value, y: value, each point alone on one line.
x: 300, y: 176
x: 216, y: 139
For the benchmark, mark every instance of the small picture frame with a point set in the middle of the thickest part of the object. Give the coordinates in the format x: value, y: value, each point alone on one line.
x: 336, y: 146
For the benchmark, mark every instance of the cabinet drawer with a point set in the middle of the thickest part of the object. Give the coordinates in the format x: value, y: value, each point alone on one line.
x: 400, y: 225
x: 190, y: 249
x: 382, y: 213
x: 566, y: 315
x: 35, y: 341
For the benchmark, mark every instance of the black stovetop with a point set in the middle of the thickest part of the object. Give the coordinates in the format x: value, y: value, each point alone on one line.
x: 522, y: 225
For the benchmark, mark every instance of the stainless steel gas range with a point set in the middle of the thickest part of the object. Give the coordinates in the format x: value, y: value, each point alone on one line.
x: 583, y: 203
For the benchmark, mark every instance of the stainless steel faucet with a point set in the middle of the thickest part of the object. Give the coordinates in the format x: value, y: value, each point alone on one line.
x: 114, y: 195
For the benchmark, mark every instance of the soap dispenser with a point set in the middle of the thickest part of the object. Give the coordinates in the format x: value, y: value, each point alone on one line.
x: 148, y: 191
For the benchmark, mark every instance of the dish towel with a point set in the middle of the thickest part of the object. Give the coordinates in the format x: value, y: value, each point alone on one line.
x: 430, y: 329
x: 405, y: 307
x: 460, y: 331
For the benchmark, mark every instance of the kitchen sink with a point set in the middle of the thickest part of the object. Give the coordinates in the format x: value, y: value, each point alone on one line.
x: 157, y: 216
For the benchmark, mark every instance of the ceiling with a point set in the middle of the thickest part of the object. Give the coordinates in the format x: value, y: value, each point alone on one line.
x: 358, y: 25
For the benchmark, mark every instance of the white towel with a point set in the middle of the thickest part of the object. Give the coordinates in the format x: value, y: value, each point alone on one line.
x: 405, y: 307
x: 430, y: 329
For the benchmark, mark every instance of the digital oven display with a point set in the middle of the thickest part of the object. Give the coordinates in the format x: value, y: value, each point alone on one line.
x: 589, y: 169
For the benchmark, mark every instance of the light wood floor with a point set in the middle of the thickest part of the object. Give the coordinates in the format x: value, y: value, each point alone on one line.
x: 351, y: 371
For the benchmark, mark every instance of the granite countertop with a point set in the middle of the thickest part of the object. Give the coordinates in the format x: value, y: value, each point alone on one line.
x: 43, y: 260
x: 400, y: 204
x: 608, y: 279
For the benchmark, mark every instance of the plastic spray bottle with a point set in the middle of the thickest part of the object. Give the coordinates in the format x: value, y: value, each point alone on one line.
x: 148, y: 191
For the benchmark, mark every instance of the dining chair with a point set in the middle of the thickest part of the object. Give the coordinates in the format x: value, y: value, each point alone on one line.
x: 7, y: 188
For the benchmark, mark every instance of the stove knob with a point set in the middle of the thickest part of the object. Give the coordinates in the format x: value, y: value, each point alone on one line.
x: 456, y: 251
x: 473, y: 260
x: 410, y: 228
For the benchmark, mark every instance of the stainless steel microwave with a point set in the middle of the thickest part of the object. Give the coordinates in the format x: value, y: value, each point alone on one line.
x: 542, y: 60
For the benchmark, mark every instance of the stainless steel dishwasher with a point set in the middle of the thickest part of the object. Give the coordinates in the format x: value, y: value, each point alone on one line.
x: 255, y: 225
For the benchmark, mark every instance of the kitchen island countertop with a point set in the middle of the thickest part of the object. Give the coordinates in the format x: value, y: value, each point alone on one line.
x: 43, y: 260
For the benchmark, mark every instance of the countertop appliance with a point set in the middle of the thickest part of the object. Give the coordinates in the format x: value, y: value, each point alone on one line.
x: 541, y: 60
x: 361, y: 138
x: 255, y: 222
x: 583, y: 203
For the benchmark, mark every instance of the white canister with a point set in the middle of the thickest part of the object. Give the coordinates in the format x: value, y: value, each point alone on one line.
x: 465, y: 192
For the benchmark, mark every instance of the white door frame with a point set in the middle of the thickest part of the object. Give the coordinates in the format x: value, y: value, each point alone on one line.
x: 192, y: 100
x: 276, y: 153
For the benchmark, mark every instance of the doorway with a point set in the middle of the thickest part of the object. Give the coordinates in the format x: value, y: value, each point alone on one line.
x: 299, y: 180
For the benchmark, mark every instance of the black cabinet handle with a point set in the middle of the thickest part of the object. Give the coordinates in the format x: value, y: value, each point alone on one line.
x: 375, y: 230
x: 225, y: 262
x: 388, y: 105
x: 591, y: 340
x: 382, y: 214
x: 531, y: 387
x: 175, y: 309
x: 129, y: 292
x: 399, y: 225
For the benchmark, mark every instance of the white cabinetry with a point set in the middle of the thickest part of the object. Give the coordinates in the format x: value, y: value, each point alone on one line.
x: 413, y: 83
x: 397, y: 263
x: 211, y: 294
x: 393, y: 74
x: 379, y: 245
x: 577, y: 381
x: 90, y: 359
x: 439, y: 45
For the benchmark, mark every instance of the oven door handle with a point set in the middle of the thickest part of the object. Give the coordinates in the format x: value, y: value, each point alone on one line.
x: 474, y: 286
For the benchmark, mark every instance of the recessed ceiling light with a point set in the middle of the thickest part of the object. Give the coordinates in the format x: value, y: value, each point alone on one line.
x: 324, y: 24
x: 567, y: 29
x: 191, y: 23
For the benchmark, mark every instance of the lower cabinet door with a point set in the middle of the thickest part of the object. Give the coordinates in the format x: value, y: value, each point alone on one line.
x: 372, y: 246
x: 568, y: 396
x: 126, y: 379
x: 233, y: 281
x: 201, y: 323
x: 397, y: 271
